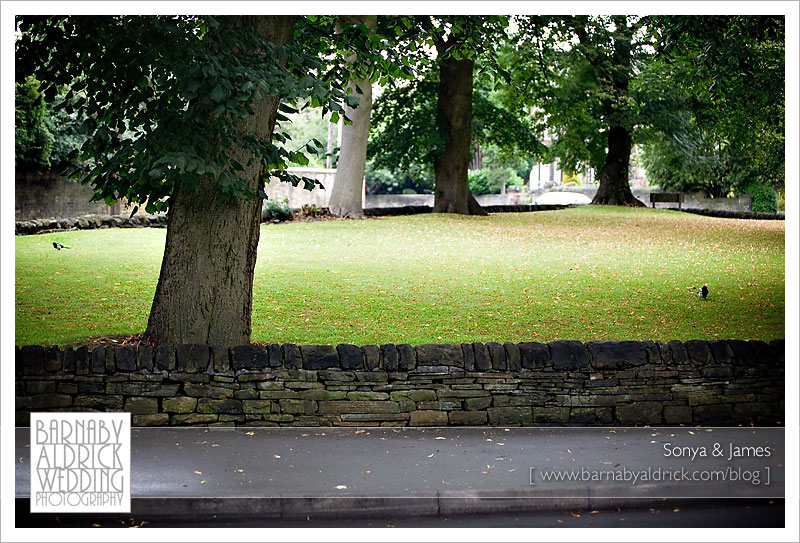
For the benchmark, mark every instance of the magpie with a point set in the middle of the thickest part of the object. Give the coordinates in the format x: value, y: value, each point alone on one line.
x: 703, y: 293
x: 57, y: 246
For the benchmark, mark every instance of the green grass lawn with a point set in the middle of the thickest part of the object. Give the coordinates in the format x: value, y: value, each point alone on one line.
x: 587, y: 273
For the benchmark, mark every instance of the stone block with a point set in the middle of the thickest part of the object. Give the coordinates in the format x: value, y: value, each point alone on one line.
x: 432, y: 354
x: 421, y: 395
x: 110, y: 365
x: 337, y: 376
x: 616, y: 354
x: 590, y: 415
x: 275, y: 355
x: 534, y: 355
x: 104, y: 402
x: 97, y: 360
x: 139, y: 405
x: 568, y: 355
x: 712, y: 414
x: 665, y: 353
x: 483, y: 362
x: 68, y: 360
x: 40, y: 387
x: 32, y: 359
x: 192, y: 418
x: 125, y: 358
x: 467, y: 418
x: 227, y: 406
x: 298, y: 407
x: 151, y: 419
x: 323, y: 395
x: 164, y: 358
x: 721, y: 352
x: 319, y: 357
x: 743, y: 353
x: 292, y: 357
x: 246, y: 394
x: 640, y: 413
x: 52, y: 359
x: 428, y: 418
x: 249, y: 357
x: 677, y: 414
x: 744, y: 413
x: 350, y: 357
x: 372, y: 356
x: 509, y: 415
x: 207, y: 391
x: 257, y: 406
x: 550, y: 415
x: 391, y: 357
x: 179, y: 404
x: 364, y: 395
x: 778, y: 347
x: 408, y: 358
x: 191, y: 358
x: 679, y: 353
x: 498, y: 355
x: 144, y: 357
x: 49, y: 401
x: 699, y: 352
x: 67, y: 388
x: 348, y: 406
x: 514, y: 356
x: 469, y: 356
x: 476, y: 404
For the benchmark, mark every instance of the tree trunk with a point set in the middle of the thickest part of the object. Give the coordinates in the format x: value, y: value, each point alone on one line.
x: 204, y: 291
x: 452, y: 194
x: 348, y: 186
x: 614, y: 187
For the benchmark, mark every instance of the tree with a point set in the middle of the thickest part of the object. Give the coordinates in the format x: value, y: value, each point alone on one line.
x: 180, y: 114
x: 32, y: 137
x: 731, y: 71
x: 578, y: 70
x: 346, y: 194
x: 437, y: 119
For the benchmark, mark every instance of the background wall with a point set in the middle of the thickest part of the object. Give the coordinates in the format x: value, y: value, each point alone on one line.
x: 562, y: 382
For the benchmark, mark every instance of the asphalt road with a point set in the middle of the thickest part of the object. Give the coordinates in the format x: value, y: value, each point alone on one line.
x: 732, y: 513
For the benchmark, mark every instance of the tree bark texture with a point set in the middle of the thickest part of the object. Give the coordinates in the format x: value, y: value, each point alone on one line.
x: 205, y: 288
x: 348, y: 185
x: 614, y: 188
x: 452, y: 194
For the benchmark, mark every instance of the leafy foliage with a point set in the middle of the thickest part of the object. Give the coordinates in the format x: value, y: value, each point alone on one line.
x: 765, y: 199
x: 33, y: 138
x: 731, y: 69
x: 277, y: 210
x: 162, y: 96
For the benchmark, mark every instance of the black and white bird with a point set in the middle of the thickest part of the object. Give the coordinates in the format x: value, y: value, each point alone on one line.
x: 703, y: 292
x: 57, y: 246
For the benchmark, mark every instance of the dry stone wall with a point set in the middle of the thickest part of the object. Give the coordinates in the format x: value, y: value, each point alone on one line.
x: 559, y: 383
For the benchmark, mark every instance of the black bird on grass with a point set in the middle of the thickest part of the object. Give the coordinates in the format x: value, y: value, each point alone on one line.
x: 703, y: 293
x: 57, y: 246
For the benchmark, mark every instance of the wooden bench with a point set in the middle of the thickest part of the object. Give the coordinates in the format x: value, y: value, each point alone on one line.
x: 666, y: 197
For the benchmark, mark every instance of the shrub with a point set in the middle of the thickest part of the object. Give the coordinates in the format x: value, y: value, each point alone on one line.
x: 274, y: 210
x: 765, y: 199
x: 490, y: 180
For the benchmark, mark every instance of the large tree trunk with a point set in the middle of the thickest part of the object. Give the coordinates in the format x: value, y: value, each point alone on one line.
x: 614, y: 187
x: 452, y: 194
x: 204, y: 291
x: 348, y: 185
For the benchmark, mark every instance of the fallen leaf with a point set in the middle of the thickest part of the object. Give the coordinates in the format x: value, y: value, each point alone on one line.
x: 239, y: 471
x: 203, y: 482
x: 341, y: 487
x: 276, y: 456
x: 594, y: 512
x: 250, y: 433
x: 655, y: 511
x: 198, y: 472
x: 430, y: 455
x: 676, y: 510
x: 367, y: 471
x: 575, y: 515
x: 606, y: 463
x: 440, y: 437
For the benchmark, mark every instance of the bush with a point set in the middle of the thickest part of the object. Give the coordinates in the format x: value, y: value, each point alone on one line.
x: 274, y: 210
x: 765, y: 199
x: 490, y: 180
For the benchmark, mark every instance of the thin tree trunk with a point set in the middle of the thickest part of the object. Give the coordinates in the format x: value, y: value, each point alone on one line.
x: 348, y: 186
x: 204, y: 291
x: 331, y: 145
x: 452, y: 194
x: 614, y: 188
